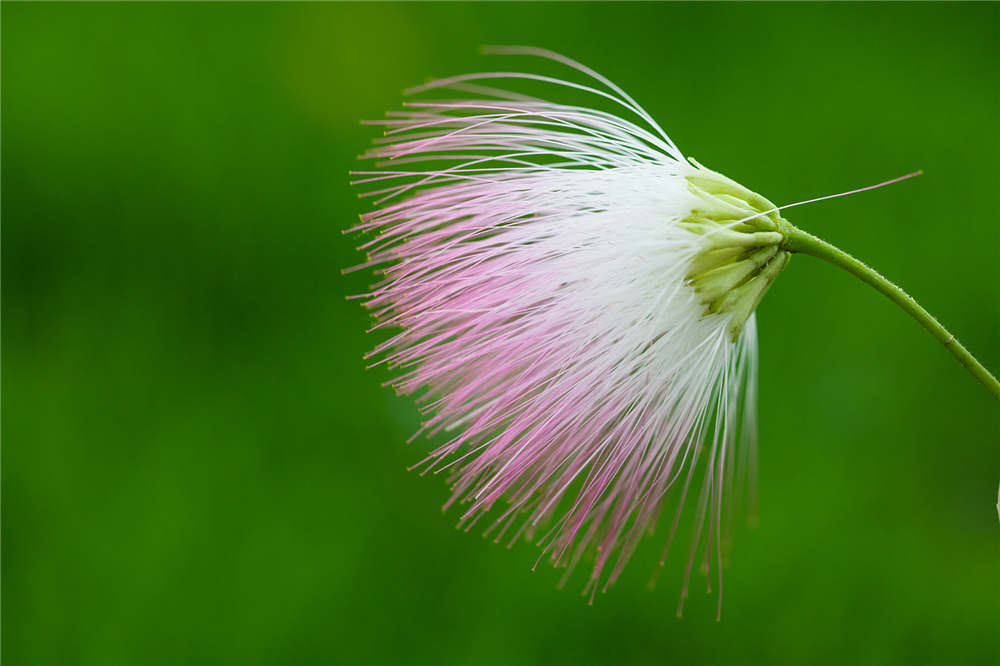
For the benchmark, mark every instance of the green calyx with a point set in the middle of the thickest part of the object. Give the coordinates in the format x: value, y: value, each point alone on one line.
x: 743, y: 251
x: 747, y: 244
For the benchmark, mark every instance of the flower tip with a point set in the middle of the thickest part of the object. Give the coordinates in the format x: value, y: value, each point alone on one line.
x: 493, y: 49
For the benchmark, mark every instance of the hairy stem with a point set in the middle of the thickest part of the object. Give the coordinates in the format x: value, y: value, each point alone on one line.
x: 803, y: 242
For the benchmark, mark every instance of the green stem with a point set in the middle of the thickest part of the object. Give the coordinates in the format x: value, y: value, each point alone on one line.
x: 803, y: 242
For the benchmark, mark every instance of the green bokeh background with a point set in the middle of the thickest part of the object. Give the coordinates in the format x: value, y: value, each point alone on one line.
x: 197, y: 468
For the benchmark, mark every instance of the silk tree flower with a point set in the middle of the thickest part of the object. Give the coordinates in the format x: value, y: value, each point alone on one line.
x: 571, y: 299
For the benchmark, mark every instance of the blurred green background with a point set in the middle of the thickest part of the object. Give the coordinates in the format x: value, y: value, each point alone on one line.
x: 197, y: 468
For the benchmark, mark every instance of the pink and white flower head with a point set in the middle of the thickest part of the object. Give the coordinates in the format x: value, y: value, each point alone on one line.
x: 571, y: 300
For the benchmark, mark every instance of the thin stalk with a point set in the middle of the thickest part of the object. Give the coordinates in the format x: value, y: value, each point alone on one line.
x: 803, y: 242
